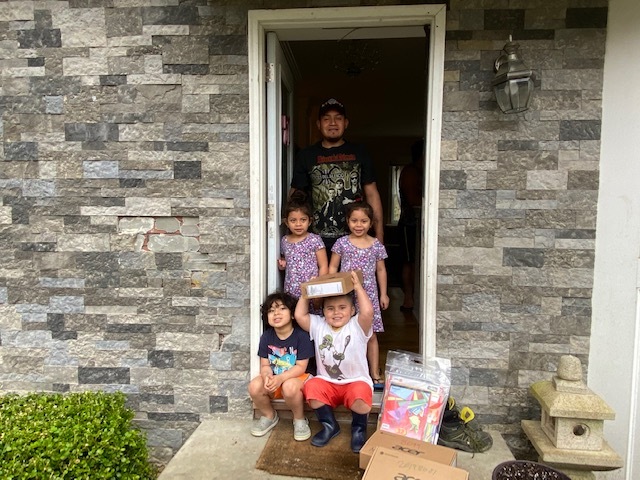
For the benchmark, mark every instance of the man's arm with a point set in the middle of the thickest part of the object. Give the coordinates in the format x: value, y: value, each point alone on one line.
x: 411, y: 185
x: 373, y: 198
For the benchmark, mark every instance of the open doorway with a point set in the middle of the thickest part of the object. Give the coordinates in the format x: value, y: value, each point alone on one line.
x: 383, y: 84
x: 385, y: 114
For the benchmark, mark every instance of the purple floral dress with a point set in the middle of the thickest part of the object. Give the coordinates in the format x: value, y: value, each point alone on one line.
x: 302, y: 263
x: 365, y: 259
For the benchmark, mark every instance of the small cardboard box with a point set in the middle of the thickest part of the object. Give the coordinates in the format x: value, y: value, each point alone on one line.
x: 410, y: 446
x: 388, y: 464
x: 329, y: 285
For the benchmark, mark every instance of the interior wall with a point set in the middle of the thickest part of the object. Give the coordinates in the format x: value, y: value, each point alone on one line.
x: 385, y: 99
x: 386, y: 110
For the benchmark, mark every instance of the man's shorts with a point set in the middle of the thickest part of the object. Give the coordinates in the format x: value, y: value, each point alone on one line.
x: 408, y: 243
x: 278, y: 393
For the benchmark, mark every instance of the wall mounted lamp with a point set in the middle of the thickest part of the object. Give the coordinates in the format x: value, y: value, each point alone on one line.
x: 512, y: 84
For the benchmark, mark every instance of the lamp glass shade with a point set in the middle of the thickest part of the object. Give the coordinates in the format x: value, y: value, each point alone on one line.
x: 514, y: 95
x: 512, y: 83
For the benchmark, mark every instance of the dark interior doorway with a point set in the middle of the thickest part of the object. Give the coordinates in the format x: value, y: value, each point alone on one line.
x: 382, y: 83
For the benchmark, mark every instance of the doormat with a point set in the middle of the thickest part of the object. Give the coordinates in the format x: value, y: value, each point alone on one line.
x: 282, y: 455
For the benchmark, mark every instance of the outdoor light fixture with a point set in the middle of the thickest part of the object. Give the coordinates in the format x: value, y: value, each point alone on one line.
x: 512, y: 84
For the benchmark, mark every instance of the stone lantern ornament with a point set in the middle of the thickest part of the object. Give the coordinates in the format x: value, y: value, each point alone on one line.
x: 569, y: 435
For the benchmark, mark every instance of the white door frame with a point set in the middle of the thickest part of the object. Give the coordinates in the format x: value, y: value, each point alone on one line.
x: 278, y: 89
x: 326, y: 23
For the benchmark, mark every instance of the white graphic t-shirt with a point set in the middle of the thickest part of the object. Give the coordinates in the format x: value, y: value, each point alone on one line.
x: 341, y: 356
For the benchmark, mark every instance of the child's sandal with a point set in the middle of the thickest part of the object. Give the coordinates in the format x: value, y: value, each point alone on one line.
x: 378, y: 384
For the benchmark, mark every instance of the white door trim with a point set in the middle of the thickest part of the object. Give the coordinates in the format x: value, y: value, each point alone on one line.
x: 633, y: 445
x: 326, y: 23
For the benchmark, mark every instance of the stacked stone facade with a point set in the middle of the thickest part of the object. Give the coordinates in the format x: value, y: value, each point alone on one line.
x: 518, y: 196
x: 124, y: 206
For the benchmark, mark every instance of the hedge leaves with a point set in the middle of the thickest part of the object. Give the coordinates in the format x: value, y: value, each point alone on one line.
x: 75, y: 436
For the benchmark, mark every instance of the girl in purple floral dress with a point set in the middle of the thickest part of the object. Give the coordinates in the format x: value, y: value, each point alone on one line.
x: 360, y: 251
x: 303, y: 254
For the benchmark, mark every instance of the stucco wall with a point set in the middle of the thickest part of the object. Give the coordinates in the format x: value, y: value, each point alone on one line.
x: 125, y: 194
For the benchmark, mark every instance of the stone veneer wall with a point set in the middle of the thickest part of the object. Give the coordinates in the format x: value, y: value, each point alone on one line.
x: 124, y: 206
x: 518, y: 196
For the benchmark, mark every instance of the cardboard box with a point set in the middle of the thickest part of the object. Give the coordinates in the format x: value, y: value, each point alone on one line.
x: 329, y: 285
x: 410, y: 446
x: 388, y: 464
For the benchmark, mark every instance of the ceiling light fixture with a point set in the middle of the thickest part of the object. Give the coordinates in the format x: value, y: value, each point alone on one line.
x: 355, y: 57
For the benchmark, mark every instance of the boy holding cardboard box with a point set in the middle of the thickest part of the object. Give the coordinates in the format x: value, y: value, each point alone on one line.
x: 342, y: 378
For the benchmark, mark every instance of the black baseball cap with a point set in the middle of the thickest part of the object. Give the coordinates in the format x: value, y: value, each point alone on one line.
x: 332, y: 105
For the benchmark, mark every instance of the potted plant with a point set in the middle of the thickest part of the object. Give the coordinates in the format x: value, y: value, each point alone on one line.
x: 526, y: 470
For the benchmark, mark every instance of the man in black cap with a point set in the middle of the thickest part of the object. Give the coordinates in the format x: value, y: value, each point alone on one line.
x: 335, y: 161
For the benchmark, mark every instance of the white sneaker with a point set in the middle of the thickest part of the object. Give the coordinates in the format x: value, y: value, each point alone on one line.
x: 301, y: 430
x: 264, y: 425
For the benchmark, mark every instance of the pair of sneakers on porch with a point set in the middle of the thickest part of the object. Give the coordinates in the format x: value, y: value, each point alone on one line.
x: 460, y: 430
x: 264, y: 425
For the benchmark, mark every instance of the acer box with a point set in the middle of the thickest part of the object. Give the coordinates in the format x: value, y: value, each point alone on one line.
x: 410, y: 446
x: 388, y: 464
x: 329, y: 285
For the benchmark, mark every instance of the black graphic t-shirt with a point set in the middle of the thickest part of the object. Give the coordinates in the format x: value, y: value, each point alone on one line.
x: 333, y: 178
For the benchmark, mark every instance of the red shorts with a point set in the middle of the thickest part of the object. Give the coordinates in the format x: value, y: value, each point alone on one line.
x: 334, y: 395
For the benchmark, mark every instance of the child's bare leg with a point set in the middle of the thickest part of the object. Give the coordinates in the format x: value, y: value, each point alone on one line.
x: 294, y: 398
x: 262, y: 401
x: 292, y: 394
x: 373, y: 356
x: 360, y: 406
x: 261, y: 398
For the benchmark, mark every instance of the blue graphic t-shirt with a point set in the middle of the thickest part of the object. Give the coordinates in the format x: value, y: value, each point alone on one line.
x: 283, y: 354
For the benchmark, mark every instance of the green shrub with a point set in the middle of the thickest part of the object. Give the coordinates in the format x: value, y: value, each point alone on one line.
x: 75, y: 436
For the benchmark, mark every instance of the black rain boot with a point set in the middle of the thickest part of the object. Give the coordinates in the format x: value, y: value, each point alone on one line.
x: 330, y: 427
x: 358, y: 431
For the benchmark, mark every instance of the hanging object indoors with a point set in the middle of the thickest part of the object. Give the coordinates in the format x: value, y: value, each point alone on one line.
x: 355, y: 56
x: 512, y: 84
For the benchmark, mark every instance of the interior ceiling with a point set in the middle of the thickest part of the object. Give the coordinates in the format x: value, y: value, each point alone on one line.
x: 337, y: 33
x: 385, y: 99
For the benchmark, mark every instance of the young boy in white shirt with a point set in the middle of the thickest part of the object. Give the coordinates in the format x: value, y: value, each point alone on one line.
x: 342, y: 377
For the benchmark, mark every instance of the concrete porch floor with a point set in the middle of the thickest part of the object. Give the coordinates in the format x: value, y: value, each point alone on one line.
x: 225, y: 449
